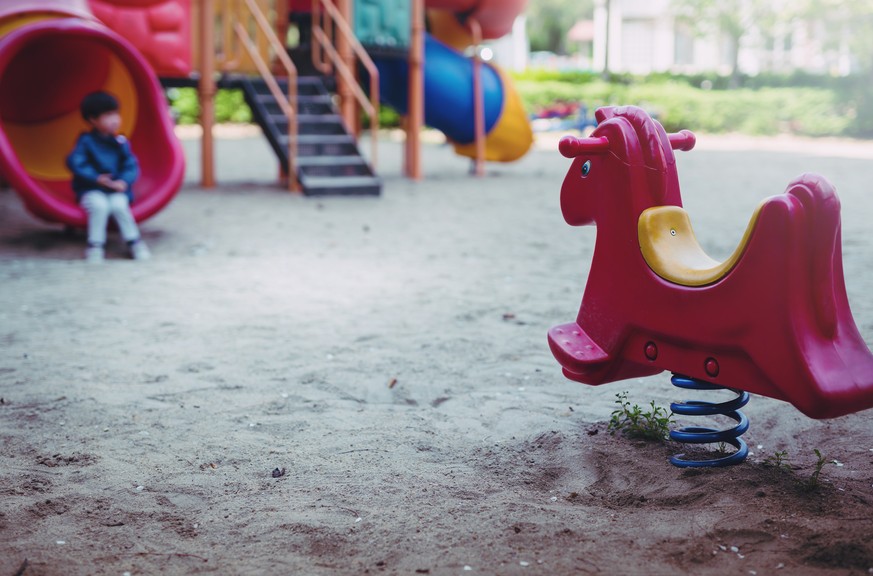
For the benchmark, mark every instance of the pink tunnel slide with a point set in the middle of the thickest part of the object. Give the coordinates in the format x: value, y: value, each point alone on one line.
x: 52, y: 53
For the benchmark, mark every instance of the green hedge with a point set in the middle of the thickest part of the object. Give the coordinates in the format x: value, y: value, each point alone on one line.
x: 230, y: 106
x: 808, y: 111
x: 836, y: 107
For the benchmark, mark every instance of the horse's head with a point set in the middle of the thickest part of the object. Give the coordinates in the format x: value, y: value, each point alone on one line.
x: 627, y: 162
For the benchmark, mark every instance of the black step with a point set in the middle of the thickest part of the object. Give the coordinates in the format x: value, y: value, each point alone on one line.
x: 348, y: 186
x: 333, y: 166
x: 306, y: 86
x: 323, y: 145
x: 329, y: 160
x: 315, y: 105
x: 328, y: 124
x: 320, y: 104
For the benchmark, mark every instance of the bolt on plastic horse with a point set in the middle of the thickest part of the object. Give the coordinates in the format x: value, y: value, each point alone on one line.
x: 772, y: 319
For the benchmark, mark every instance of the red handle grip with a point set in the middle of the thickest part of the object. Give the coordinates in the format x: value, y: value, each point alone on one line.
x: 571, y: 147
x: 683, y: 140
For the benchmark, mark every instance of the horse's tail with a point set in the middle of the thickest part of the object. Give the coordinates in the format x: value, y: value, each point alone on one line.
x: 821, y: 215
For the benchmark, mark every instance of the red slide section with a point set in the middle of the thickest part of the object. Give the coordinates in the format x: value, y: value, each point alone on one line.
x: 159, y: 29
x: 52, y: 53
x: 495, y: 16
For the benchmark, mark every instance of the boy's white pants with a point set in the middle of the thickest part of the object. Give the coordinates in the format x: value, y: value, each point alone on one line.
x: 99, y: 206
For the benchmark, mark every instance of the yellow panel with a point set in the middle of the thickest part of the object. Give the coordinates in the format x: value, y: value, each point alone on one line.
x: 120, y: 83
x: 42, y: 147
x: 16, y: 21
x: 444, y: 26
x: 671, y: 250
x: 230, y: 53
x: 511, y: 137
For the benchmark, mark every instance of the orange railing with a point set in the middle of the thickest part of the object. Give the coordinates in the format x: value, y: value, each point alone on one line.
x: 229, y: 53
x: 287, y: 102
x: 236, y: 36
x: 328, y: 55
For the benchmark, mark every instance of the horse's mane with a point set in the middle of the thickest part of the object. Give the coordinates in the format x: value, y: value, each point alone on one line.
x: 656, y: 149
x: 657, y: 152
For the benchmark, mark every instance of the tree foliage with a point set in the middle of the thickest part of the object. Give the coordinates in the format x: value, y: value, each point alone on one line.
x: 844, y: 22
x: 848, y: 25
x: 548, y: 22
x: 733, y: 19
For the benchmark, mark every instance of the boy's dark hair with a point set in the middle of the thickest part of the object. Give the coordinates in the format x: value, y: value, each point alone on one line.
x: 97, y: 103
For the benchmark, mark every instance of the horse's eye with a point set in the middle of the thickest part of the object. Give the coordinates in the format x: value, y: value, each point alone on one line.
x: 586, y: 168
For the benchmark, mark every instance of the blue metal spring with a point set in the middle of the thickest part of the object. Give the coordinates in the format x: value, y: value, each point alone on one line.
x: 699, y: 435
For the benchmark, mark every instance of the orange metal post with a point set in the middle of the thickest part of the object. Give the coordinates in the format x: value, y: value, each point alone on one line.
x: 344, y: 90
x: 206, y: 87
x: 282, y: 12
x: 319, y: 27
x: 478, y: 99
x: 415, y: 114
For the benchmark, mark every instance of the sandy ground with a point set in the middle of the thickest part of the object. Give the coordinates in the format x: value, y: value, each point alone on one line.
x: 389, y: 355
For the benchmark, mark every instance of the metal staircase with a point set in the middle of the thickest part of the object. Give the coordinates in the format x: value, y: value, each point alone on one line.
x: 328, y: 160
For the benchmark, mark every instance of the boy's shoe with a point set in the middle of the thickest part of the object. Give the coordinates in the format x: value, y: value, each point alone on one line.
x: 139, y: 251
x: 94, y: 254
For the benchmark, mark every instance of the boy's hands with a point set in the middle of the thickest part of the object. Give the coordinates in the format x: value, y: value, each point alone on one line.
x: 107, y: 181
x: 118, y: 185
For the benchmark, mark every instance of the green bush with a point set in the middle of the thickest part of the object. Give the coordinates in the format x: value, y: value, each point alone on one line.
x: 388, y: 118
x: 540, y: 75
x: 799, y: 103
x: 230, y: 106
x: 807, y: 111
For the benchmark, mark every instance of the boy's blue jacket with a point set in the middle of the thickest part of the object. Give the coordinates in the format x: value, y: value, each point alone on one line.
x: 97, y: 154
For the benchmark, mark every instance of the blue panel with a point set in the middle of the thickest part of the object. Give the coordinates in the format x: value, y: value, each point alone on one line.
x: 448, y: 90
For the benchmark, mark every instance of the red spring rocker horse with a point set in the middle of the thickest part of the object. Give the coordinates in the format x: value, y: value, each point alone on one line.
x: 772, y: 319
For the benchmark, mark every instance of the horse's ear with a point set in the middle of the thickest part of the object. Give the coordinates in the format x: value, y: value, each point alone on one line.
x: 571, y: 147
x: 604, y: 114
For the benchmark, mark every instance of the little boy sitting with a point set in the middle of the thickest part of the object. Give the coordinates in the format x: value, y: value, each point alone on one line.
x: 104, y: 169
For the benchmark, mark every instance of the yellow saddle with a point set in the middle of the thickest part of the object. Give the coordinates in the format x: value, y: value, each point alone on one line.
x: 671, y: 250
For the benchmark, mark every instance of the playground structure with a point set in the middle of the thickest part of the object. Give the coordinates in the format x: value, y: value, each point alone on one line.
x: 130, y: 47
x: 492, y: 125
x: 424, y: 78
x: 772, y: 319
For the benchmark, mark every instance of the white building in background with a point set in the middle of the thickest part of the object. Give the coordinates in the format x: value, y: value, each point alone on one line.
x: 511, y: 51
x: 643, y: 36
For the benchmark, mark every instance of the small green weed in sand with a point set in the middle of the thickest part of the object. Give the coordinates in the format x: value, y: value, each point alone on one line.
x: 652, y: 424
x: 778, y: 460
x: 814, y: 481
